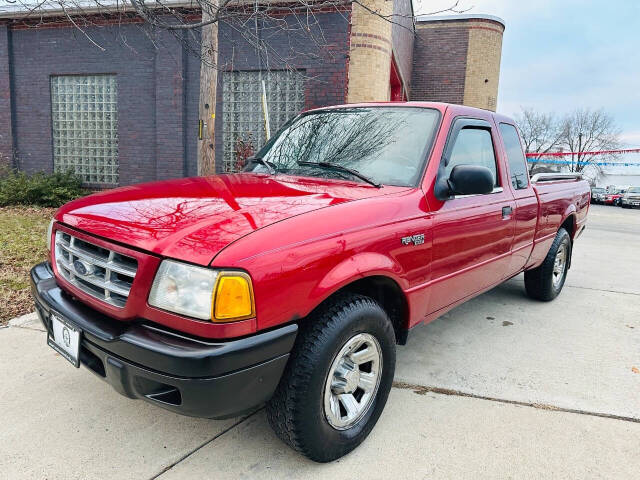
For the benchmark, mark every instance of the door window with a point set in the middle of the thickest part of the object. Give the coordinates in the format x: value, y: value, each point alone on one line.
x: 473, y: 146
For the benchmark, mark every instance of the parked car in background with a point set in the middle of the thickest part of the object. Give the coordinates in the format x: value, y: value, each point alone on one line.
x: 631, y: 198
x: 613, y: 198
x: 292, y: 282
x: 618, y: 201
x: 597, y: 195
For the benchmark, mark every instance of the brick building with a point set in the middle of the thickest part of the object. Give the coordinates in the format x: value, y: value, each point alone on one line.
x: 118, y: 101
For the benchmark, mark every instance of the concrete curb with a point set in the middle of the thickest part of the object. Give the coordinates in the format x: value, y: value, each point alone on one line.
x: 30, y: 320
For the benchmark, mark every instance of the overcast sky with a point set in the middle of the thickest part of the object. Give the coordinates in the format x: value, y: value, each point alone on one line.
x: 564, y: 54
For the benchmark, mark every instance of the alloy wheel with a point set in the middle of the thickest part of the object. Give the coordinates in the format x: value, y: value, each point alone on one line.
x: 353, y: 381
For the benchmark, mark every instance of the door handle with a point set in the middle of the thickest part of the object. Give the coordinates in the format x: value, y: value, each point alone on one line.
x: 506, y: 212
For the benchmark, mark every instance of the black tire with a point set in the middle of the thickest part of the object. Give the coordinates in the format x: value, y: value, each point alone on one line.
x: 296, y: 411
x: 540, y: 282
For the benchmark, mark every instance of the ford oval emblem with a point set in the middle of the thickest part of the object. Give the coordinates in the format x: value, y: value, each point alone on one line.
x: 80, y: 267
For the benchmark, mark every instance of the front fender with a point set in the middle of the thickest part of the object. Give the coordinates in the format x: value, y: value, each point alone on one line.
x: 356, y: 267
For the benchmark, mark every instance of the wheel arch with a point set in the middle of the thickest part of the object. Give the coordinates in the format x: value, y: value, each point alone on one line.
x: 570, y: 225
x: 391, y: 298
x: 569, y: 222
x: 373, y: 275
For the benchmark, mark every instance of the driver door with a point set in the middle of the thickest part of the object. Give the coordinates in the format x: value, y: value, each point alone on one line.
x: 472, y: 234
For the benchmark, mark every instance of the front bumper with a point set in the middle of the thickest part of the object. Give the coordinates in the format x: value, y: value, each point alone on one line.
x: 194, y: 377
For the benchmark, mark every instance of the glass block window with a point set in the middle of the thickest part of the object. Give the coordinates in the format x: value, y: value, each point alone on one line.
x: 85, y: 126
x: 242, y: 117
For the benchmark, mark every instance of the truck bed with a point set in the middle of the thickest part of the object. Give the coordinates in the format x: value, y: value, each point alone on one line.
x: 558, y: 198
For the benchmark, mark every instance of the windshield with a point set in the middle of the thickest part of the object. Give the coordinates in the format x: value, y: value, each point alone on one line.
x: 634, y: 190
x: 387, y: 145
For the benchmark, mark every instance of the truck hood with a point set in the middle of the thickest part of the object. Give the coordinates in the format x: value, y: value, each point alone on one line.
x: 192, y: 219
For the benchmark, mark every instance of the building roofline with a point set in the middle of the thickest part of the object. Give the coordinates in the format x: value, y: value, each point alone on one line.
x: 35, y: 9
x: 464, y: 16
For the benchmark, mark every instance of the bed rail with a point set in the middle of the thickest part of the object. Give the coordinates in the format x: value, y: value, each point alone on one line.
x: 551, y: 177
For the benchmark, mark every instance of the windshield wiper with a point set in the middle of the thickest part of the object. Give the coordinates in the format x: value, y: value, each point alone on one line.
x: 270, y: 166
x: 340, y: 168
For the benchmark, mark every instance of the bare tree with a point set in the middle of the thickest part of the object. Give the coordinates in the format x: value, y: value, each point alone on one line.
x: 208, y: 88
x: 541, y: 132
x: 585, y: 131
x: 247, y: 18
x: 577, y: 133
x: 247, y: 13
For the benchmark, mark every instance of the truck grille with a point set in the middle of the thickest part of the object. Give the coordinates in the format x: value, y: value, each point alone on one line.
x: 97, y: 271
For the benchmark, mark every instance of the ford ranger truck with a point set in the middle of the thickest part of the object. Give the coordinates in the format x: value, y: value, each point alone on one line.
x: 291, y: 282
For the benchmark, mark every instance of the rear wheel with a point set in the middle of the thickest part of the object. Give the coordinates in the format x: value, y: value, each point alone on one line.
x: 336, y: 383
x: 546, y: 281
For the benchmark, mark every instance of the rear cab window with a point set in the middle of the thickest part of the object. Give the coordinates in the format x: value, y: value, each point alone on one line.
x: 515, y: 156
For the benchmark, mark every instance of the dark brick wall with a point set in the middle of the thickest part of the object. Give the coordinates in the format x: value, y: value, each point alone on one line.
x: 6, y: 134
x: 402, y: 37
x: 324, y: 60
x: 158, y: 80
x: 169, y: 109
x: 439, y: 62
x: 154, y: 83
x: 191, y: 105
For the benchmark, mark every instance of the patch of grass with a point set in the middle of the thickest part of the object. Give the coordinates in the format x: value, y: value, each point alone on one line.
x: 22, y: 245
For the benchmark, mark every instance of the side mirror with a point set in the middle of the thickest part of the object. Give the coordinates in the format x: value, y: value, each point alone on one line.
x: 470, y: 180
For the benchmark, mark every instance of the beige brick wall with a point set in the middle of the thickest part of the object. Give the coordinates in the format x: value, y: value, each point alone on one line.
x: 370, y: 52
x: 440, y: 61
x: 483, y: 64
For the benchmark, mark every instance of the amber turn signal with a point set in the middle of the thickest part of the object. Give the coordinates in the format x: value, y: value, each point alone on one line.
x: 233, y: 298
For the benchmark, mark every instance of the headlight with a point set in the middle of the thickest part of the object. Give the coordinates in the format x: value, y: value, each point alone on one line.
x: 202, y: 292
x: 49, y: 232
x: 184, y: 289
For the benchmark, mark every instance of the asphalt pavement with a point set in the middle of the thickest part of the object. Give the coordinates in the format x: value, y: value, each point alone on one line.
x: 501, y: 387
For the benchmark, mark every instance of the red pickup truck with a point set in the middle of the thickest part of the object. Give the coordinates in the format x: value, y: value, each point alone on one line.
x: 292, y: 282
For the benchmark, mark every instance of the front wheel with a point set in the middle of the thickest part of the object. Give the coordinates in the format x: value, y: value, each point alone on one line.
x: 546, y: 281
x: 336, y: 383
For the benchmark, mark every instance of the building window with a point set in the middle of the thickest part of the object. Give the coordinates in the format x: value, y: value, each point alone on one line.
x: 243, y: 128
x: 85, y: 126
